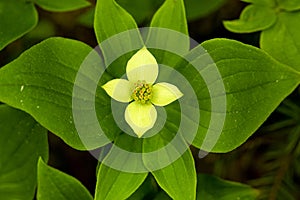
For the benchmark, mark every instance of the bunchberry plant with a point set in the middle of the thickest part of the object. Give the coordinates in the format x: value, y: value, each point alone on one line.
x: 156, y: 83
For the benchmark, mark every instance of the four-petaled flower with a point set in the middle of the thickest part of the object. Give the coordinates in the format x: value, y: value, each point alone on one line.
x: 140, y: 90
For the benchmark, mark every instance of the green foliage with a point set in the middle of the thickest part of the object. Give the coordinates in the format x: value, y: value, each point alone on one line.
x: 282, y: 41
x: 253, y: 18
x: 211, y: 188
x: 291, y: 5
x: 279, y: 22
x: 17, y: 19
x: 22, y: 142
x: 179, y: 178
x: 115, y: 184
x: 255, y: 85
x: 46, y: 92
x: 121, y: 182
x: 167, y: 177
x: 41, y: 82
x: 278, y: 162
x: 169, y: 11
x: 121, y: 20
x: 53, y: 184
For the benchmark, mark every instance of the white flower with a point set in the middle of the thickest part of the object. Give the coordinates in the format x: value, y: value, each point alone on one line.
x: 140, y: 90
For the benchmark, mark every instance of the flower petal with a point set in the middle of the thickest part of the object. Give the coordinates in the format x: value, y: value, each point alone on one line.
x: 142, y: 66
x: 164, y: 94
x: 119, y: 89
x: 140, y: 117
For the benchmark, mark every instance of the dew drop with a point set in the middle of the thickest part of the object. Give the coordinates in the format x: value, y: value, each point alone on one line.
x: 37, y: 107
x: 277, y: 81
x: 22, y: 88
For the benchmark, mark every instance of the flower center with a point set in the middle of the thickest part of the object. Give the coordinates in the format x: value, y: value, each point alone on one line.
x: 142, y: 92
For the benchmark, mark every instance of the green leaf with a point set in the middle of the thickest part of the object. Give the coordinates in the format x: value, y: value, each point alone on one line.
x: 282, y: 41
x: 62, y: 6
x: 17, y: 19
x: 253, y: 18
x: 111, y: 19
x: 41, y: 82
x: 116, y: 176
x: 211, y: 188
x: 255, y: 84
x: 22, y: 142
x: 54, y: 184
x: 117, y: 34
x: 171, y: 11
x: 179, y: 178
x: 290, y: 5
x: 199, y: 8
x: 280, y: 33
x: 167, y: 35
x: 113, y: 184
x: 166, y: 153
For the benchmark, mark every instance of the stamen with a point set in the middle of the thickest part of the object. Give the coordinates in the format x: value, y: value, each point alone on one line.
x: 142, y: 92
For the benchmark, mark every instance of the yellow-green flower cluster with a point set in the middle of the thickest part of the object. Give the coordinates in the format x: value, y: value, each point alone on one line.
x: 142, y: 92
